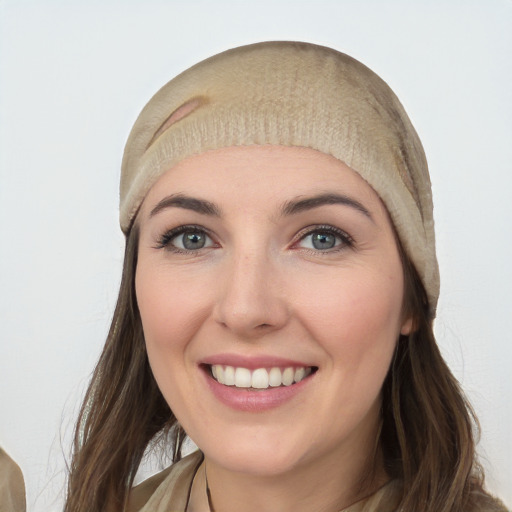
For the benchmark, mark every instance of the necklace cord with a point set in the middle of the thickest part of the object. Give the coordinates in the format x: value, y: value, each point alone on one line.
x: 208, y: 494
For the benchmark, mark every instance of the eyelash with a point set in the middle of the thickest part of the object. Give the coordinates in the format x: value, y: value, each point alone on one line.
x: 164, y: 241
x: 346, y: 240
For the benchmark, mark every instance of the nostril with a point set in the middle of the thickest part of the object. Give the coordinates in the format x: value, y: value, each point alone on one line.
x: 263, y: 326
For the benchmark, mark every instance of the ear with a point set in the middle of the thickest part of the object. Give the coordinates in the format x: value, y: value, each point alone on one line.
x: 407, y: 326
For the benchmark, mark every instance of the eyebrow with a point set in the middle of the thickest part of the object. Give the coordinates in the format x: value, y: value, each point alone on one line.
x: 289, y: 207
x: 188, y: 203
x: 300, y: 205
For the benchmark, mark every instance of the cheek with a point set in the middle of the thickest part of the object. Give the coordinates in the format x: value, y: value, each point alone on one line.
x: 351, y: 301
x: 356, y: 319
x: 172, y: 310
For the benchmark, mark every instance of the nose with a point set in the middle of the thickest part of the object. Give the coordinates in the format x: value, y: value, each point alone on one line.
x: 251, y: 300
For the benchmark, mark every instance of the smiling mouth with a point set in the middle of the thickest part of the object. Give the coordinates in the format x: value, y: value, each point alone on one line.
x: 259, y: 378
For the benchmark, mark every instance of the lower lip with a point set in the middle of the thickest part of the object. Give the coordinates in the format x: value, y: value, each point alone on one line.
x: 243, y: 399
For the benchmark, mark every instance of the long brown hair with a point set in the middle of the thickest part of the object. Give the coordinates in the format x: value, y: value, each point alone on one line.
x: 122, y: 412
x: 427, y: 434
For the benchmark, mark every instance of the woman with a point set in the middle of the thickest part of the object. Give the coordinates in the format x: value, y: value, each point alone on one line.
x: 278, y: 293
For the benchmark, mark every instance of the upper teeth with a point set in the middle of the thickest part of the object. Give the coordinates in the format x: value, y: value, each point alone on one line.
x: 261, y: 378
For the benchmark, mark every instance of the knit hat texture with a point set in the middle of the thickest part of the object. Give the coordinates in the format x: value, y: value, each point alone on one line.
x: 290, y: 94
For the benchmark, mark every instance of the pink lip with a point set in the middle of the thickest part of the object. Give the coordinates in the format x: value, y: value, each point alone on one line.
x: 242, y: 399
x: 252, y: 363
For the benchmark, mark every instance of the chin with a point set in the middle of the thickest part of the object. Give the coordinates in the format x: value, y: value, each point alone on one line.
x: 263, y: 459
x: 259, y: 466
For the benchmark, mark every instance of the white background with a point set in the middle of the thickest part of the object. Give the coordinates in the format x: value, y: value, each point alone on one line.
x: 73, y: 77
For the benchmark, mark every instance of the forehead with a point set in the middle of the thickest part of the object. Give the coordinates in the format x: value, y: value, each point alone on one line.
x: 270, y: 172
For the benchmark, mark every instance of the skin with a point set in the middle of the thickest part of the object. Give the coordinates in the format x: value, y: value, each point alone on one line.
x: 260, y: 287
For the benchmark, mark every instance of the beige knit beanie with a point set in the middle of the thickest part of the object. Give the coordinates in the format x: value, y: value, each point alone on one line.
x: 290, y: 94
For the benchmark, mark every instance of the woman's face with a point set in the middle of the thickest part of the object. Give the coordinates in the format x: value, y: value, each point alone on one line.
x: 267, y: 265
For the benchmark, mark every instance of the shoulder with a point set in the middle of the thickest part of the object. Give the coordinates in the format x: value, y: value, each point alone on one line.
x: 174, y: 482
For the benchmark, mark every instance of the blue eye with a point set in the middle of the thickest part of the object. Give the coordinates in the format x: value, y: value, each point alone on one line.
x: 185, y: 238
x: 325, y: 239
x: 190, y: 240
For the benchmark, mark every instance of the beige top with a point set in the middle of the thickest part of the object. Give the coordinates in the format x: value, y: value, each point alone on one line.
x: 12, y: 486
x: 169, y: 491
